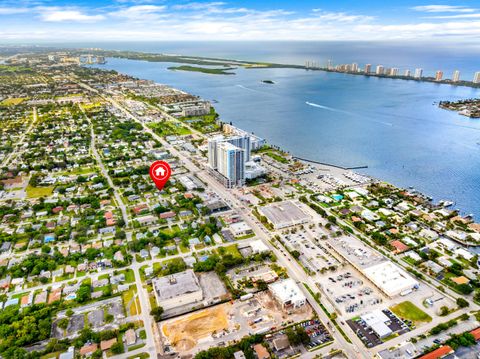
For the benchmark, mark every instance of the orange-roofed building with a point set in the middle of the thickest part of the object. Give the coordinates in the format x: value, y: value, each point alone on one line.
x: 88, y: 349
x: 108, y: 215
x: 107, y: 344
x: 55, y: 295
x: 393, y: 231
x: 188, y: 195
x: 261, y: 351
x: 438, y: 353
x: 474, y: 226
x: 476, y: 333
x: 399, y: 246
x: 460, y: 280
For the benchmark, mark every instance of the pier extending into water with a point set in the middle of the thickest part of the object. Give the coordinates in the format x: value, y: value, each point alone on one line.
x: 329, y: 164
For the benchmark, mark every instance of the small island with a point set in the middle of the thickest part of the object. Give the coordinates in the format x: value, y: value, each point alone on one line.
x: 205, y: 70
x: 268, y: 82
x: 469, y: 108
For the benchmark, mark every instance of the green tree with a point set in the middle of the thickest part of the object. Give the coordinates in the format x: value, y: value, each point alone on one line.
x: 157, y: 313
x: 63, y: 323
x: 462, y: 303
x: 117, y: 348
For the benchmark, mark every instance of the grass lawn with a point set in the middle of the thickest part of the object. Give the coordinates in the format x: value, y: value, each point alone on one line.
x: 233, y: 250
x: 408, y: 310
x: 129, y: 276
x: 50, y: 355
x: 277, y: 157
x: 184, y: 249
x: 37, y: 192
x: 79, y: 171
x: 135, y: 347
x: 140, y: 356
x: 130, y: 305
x: 251, y: 235
x: 12, y: 101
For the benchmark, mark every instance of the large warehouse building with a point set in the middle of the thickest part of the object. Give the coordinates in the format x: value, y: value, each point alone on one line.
x: 284, y: 214
x: 390, y: 279
x: 177, y: 290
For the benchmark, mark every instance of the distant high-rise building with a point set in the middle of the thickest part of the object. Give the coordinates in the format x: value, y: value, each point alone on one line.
x: 393, y: 71
x: 418, y: 73
x: 456, y: 76
x: 368, y: 68
x: 379, y: 70
x: 355, y: 67
x: 231, y: 164
x: 407, y: 73
x: 330, y: 64
x: 476, y: 78
x: 439, y: 76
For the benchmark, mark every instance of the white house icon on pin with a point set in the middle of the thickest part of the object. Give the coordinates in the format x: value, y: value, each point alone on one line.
x: 159, y: 171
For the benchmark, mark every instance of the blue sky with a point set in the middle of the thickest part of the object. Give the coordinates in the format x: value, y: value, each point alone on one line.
x: 453, y: 22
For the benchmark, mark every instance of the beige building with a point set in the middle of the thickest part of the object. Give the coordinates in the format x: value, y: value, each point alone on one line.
x: 177, y: 290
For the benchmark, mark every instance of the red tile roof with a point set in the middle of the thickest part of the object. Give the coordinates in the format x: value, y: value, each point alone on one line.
x: 476, y: 333
x: 438, y: 353
x: 399, y: 246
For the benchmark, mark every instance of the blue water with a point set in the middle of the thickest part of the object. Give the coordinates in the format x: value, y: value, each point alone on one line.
x: 430, y: 55
x: 393, y: 126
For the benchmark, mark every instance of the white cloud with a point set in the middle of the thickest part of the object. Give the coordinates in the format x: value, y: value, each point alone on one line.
x: 458, y: 16
x: 58, y: 14
x: 442, y: 8
x: 12, y: 10
x: 216, y: 20
x: 140, y: 12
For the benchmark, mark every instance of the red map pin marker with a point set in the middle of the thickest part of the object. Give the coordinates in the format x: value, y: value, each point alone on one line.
x: 160, y: 172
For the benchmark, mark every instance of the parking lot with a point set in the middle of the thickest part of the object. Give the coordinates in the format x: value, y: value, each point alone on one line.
x: 282, y: 348
x: 317, y: 332
x: 313, y: 254
x: 349, y: 293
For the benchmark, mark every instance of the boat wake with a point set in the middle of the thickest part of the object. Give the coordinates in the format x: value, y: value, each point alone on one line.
x: 249, y: 89
x: 325, y: 107
x: 345, y: 112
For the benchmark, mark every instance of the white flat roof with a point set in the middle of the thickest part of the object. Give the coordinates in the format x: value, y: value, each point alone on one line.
x: 284, y: 213
x: 287, y: 290
x: 258, y: 246
x: 390, y: 278
x: 376, y: 320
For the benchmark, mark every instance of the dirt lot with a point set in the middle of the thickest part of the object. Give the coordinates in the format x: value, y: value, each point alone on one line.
x: 184, y: 333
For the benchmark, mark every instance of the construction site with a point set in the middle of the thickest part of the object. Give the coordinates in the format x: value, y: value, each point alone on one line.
x: 222, y: 323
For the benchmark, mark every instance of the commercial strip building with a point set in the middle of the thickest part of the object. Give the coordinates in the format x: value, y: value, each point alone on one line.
x: 288, y: 294
x: 284, y: 214
x: 177, y: 290
x: 390, y: 279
